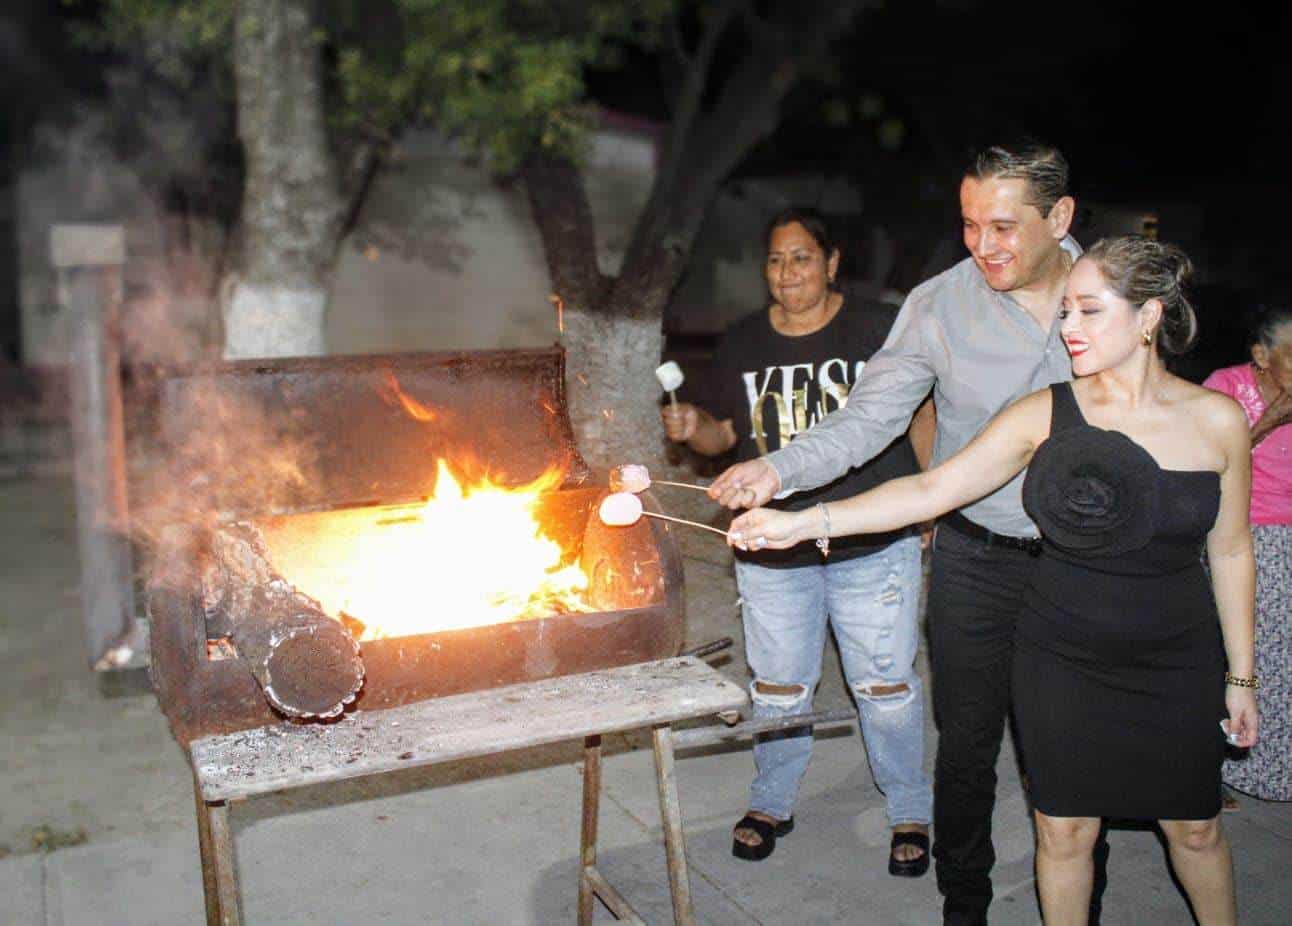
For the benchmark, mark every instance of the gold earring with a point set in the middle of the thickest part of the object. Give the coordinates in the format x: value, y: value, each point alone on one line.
x: 1148, y: 337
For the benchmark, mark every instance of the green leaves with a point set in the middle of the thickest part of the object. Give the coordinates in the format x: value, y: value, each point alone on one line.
x: 177, y: 38
x: 504, y: 76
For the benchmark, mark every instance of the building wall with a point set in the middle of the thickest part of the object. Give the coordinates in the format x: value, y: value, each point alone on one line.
x: 443, y: 256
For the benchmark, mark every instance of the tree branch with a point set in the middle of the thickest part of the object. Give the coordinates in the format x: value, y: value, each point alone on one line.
x: 365, y: 161
x: 676, y: 44
x: 559, y: 203
x: 761, y: 32
x: 691, y: 95
x: 705, y: 147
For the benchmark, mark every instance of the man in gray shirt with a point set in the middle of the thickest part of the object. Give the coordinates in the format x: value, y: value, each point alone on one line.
x: 980, y: 336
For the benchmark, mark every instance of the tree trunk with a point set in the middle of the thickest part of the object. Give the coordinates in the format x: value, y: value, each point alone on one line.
x: 292, y: 208
x: 610, y: 356
x: 611, y: 387
x: 273, y: 320
x: 613, y: 334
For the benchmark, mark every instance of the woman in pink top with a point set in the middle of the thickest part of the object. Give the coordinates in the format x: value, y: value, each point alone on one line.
x: 1264, y: 389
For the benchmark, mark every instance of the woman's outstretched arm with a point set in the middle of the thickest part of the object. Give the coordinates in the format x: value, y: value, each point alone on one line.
x: 1233, y: 565
x: 989, y: 461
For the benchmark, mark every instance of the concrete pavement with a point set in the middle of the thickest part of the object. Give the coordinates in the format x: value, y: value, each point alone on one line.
x: 97, y: 825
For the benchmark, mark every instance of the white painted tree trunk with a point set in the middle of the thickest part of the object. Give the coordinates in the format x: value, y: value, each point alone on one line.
x: 264, y: 320
x: 291, y: 204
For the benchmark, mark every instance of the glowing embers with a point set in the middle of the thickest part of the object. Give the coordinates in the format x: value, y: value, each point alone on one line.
x: 467, y: 557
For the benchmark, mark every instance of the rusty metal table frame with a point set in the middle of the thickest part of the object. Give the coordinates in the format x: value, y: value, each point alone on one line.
x: 236, y: 766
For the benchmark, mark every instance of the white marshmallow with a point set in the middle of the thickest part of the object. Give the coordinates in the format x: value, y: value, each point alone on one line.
x: 620, y: 509
x: 630, y: 477
x: 669, y: 375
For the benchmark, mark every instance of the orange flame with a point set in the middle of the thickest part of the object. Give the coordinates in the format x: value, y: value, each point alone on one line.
x: 415, y: 409
x: 467, y: 557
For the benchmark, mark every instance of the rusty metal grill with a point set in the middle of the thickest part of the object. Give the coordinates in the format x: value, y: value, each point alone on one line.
x: 263, y: 442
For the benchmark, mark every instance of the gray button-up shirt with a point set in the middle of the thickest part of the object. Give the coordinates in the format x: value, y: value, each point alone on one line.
x: 978, y: 349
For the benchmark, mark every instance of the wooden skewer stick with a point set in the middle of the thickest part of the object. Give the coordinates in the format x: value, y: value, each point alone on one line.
x: 703, y: 527
x: 680, y: 485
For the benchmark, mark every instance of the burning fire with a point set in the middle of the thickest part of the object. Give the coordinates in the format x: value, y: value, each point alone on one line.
x: 392, y: 393
x: 467, y: 557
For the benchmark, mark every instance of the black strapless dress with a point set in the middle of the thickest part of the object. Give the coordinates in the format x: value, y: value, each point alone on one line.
x: 1119, y: 668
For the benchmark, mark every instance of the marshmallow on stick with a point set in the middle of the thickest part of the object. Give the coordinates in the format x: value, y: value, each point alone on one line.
x: 620, y: 509
x: 633, y: 477
x: 670, y: 377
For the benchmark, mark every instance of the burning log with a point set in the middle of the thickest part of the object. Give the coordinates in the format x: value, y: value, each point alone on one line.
x: 307, y: 664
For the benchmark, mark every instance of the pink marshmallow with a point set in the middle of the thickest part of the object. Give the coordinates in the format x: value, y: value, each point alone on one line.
x: 631, y: 477
x: 620, y: 509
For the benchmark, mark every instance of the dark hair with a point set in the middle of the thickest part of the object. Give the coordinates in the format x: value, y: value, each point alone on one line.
x: 813, y: 223
x: 1140, y: 269
x: 1041, y: 166
x: 1266, y: 320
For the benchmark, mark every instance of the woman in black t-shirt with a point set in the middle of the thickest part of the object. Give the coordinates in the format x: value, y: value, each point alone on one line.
x: 775, y: 374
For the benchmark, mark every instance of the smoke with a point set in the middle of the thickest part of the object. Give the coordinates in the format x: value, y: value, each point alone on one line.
x: 158, y: 158
x: 198, y: 447
x: 205, y: 453
x: 140, y: 152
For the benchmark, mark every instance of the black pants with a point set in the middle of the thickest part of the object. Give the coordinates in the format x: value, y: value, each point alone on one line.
x: 975, y: 596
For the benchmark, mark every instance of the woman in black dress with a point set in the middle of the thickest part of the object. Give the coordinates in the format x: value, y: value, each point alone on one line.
x: 1122, y: 681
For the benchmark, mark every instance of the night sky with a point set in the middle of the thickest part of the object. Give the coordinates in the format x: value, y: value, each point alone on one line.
x: 1157, y: 107
x: 1154, y: 104
x: 1143, y: 101
x: 1147, y: 98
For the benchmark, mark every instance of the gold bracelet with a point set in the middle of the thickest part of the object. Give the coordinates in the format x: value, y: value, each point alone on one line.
x: 1242, y: 682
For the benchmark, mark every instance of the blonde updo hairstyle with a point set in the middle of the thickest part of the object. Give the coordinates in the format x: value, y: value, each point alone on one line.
x: 1139, y: 269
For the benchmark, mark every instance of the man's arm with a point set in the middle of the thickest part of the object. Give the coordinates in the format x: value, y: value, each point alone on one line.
x: 989, y: 461
x: 891, y: 386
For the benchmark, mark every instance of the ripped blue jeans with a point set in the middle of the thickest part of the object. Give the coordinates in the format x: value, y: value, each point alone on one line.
x: 872, y: 603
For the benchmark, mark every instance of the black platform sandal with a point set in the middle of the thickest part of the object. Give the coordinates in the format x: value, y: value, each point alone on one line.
x: 767, y: 833
x: 908, y: 868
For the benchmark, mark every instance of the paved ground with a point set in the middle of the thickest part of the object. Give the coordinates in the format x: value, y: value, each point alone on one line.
x: 96, y: 813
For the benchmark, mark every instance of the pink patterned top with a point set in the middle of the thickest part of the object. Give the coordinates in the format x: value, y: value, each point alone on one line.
x: 1271, y: 458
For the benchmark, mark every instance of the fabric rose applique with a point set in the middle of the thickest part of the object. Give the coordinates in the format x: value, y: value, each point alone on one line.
x: 1092, y: 492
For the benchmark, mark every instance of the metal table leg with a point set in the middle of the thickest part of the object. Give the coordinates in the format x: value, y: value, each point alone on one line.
x: 219, y: 876
x: 588, y: 837
x: 206, y: 853
x: 670, y: 811
x: 593, y: 884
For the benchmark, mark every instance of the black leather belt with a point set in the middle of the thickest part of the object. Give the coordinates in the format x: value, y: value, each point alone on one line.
x: 962, y: 525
